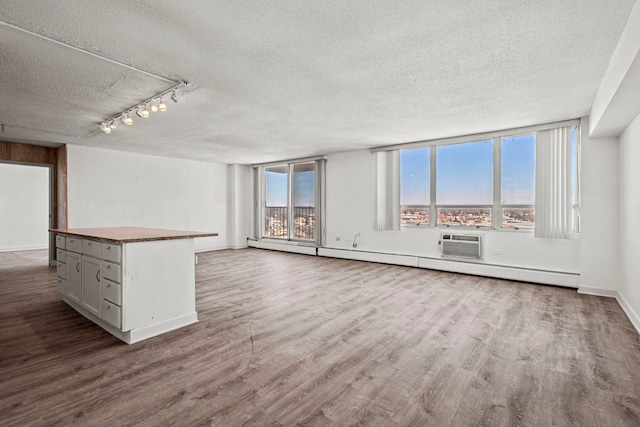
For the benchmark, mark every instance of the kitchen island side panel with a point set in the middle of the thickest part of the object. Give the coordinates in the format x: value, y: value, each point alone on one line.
x: 159, y: 282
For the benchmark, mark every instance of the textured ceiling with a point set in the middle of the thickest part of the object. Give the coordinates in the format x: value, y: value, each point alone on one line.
x: 284, y: 79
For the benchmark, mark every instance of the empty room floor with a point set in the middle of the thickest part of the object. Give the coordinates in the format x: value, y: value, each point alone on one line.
x: 286, y: 339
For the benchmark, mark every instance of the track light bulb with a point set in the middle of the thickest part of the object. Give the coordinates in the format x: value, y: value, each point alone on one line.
x: 162, y: 106
x: 154, y: 107
x: 127, y: 120
x: 105, y: 128
x: 145, y: 111
x: 113, y: 124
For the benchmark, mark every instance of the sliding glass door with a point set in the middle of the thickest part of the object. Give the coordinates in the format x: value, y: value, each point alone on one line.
x: 291, y: 195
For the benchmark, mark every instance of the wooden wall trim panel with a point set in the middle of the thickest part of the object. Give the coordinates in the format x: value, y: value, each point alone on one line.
x: 26, y: 153
x: 61, y: 211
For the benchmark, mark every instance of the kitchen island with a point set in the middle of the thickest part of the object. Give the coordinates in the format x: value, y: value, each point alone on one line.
x: 133, y: 282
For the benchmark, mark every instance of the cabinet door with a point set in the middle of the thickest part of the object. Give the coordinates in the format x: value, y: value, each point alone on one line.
x: 91, y: 284
x: 74, y: 276
x: 62, y: 286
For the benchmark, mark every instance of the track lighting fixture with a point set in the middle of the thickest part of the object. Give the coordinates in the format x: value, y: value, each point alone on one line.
x: 155, y: 103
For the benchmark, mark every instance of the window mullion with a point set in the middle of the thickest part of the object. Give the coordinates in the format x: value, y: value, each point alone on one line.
x: 496, y: 215
x: 433, y: 212
x: 290, y: 225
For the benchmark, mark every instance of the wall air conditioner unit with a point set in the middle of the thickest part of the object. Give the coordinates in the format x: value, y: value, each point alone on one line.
x: 467, y: 246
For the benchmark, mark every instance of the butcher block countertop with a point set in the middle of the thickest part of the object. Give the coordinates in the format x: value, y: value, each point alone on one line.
x: 130, y: 234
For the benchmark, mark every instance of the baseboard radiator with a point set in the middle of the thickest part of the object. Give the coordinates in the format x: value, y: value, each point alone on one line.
x: 468, y: 246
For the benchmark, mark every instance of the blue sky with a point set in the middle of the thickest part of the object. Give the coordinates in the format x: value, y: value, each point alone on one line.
x: 465, y: 173
x: 304, y: 188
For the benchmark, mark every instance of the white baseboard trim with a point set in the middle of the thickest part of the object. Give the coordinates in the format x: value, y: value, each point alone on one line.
x: 629, y: 311
x: 599, y: 292
x: 284, y: 247
x: 24, y: 248
x: 406, y: 260
x: 209, y: 249
x: 570, y: 280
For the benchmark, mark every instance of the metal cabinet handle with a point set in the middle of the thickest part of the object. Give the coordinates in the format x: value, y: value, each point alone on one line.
x: 108, y: 267
x: 108, y: 307
x: 108, y: 285
x: 88, y: 243
x: 108, y: 248
x: 78, y: 267
x: 98, y: 275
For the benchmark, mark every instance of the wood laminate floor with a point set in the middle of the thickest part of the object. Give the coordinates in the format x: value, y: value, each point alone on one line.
x: 287, y: 339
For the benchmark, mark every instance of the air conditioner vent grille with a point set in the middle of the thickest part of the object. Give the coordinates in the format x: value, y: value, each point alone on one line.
x: 462, y: 245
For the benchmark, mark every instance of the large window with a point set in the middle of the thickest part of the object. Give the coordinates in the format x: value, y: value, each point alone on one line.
x: 414, y: 180
x: 517, y: 185
x: 488, y: 183
x: 276, y: 204
x: 290, y: 198
x: 464, y: 184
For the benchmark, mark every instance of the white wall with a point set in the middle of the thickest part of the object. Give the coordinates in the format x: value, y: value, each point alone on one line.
x: 24, y: 207
x: 599, y: 215
x: 239, y: 205
x: 110, y: 188
x: 629, y: 241
x: 350, y: 192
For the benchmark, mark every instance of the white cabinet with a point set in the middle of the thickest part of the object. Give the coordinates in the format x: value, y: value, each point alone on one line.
x: 111, y: 252
x: 135, y: 290
x: 91, y: 248
x: 111, y: 313
x: 61, y: 265
x: 73, y: 276
x: 60, y: 241
x: 91, y: 284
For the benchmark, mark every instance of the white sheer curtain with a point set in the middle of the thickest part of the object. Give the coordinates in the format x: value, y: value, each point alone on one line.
x: 387, y: 196
x: 553, y: 184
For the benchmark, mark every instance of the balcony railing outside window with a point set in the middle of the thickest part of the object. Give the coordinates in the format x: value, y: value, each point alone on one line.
x: 304, y: 220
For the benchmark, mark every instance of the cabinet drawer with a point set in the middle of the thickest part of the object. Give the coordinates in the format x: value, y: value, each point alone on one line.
x: 74, y: 244
x: 61, y: 255
x: 91, y: 248
x: 110, y: 271
x: 111, y: 313
x: 60, y: 241
x: 62, y: 286
x: 61, y: 269
x: 111, y: 291
x: 112, y: 252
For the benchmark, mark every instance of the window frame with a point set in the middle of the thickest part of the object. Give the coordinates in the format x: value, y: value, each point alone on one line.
x: 497, y: 208
x: 319, y: 198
